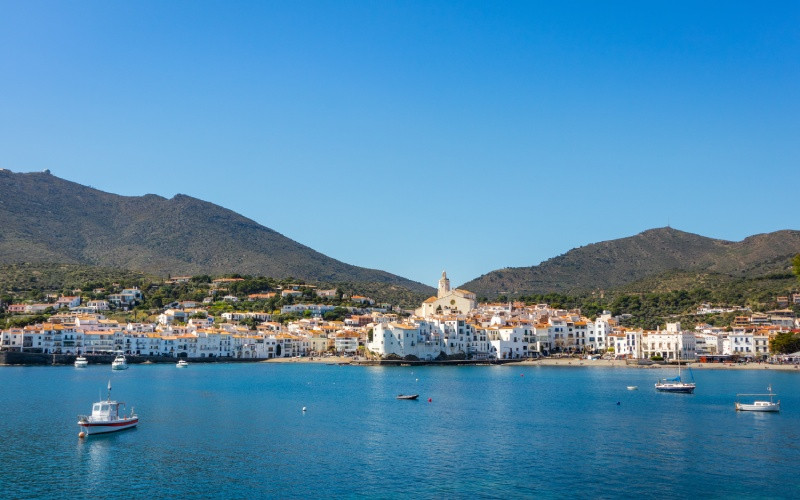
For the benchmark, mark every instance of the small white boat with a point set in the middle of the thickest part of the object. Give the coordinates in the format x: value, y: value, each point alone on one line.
x: 182, y: 364
x: 633, y: 387
x: 106, y: 417
x: 119, y: 363
x: 767, y: 406
x: 81, y: 362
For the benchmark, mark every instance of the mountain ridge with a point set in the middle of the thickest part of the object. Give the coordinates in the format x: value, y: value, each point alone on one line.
x: 613, y: 263
x: 47, y: 219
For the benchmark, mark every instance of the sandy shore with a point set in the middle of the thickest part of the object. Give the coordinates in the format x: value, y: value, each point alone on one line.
x: 621, y: 364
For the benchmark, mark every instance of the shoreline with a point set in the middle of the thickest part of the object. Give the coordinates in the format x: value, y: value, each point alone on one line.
x: 325, y: 360
x: 695, y: 365
x: 32, y: 359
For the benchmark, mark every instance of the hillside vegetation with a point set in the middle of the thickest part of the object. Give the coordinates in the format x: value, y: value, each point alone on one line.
x: 45, y: 219
x: 610, y: 264
x: 34, y: 281
x: 674, y: 296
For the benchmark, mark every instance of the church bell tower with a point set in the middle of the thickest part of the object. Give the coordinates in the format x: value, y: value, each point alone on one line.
x: 444, y: 285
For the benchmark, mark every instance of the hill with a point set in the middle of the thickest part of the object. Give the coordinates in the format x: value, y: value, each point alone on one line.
x: 616, y: 263
x: 45, y: 219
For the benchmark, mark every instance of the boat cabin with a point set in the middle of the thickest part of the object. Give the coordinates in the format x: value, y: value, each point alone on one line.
x: 106, y: 410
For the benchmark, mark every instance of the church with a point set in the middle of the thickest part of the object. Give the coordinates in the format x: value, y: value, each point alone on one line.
x: 447, y: 301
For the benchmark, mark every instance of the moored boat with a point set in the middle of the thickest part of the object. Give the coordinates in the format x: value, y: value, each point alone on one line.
x: 81, y: 362
x: 765, y: 406
x: 676, y: 384
x: 182, y: 364
x: 106, y: 417
x: 119, y: 363
x: 407, y: 396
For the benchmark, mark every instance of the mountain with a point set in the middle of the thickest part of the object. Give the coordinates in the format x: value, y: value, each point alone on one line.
x: 45, y: 219
x: 610, y: 264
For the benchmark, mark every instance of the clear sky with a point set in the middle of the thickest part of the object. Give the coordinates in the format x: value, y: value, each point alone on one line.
x: 419, y: 136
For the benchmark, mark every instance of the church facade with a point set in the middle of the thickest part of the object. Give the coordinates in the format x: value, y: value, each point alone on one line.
x: 447, y: 301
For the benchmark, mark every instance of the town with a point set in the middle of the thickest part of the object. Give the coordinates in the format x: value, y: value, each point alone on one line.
x: 448, y: 326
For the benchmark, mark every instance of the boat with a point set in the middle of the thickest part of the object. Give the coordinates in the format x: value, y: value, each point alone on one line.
x: 675, y: 384
x: 106, y: 417
x: 633, y: 387
x: 119, y: 363
x: 768, y: 406
x: 182, y: 363
x: 81, y: 362
x: 407, y: 396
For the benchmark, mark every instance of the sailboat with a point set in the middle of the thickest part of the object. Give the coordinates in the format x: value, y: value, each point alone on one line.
x: 675, y: 384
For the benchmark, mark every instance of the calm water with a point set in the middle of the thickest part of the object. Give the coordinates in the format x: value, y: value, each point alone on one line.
x: 237, y: 431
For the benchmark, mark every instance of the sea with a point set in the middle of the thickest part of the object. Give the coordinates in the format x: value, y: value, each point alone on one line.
x: 239, y: 431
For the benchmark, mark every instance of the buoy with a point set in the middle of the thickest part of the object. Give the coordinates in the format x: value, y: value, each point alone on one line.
x: 521, y: 374
x: 430, y: 400
x: 417, y: 380
x: 81, y: 434
x: 617, y: 403
x: 304, y: 408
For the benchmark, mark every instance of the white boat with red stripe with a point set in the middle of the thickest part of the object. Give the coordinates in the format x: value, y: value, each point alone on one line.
x: 107, y: 417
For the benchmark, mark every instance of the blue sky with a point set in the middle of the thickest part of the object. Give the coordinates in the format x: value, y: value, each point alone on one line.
x: 419, y: 136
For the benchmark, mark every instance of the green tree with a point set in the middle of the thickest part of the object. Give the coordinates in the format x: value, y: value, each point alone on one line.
x: 338, y: 314
x: 796, y: 265
x: 785, y: 343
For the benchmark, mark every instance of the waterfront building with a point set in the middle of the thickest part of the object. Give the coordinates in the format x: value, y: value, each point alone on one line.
x: 670, y: 344
x: 708, y: 343
x: 507, y: 342
x: 627, y: 343
x: 98, y: 341
x: 346, y: 342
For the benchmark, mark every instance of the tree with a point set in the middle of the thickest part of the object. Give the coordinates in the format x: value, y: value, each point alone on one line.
x: 796, y: 265
x: 337, y: 314
x: 785, y: 343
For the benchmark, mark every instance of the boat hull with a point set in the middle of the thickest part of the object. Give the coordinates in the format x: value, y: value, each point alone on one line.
x: 677, y: 388
x: 119, y: 367
x: 410, y: 396
x: 106, y: 427
x: 765, y: 407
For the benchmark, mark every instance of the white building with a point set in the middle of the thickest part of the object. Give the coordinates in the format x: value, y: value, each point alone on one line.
x: 670, y: 344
